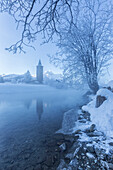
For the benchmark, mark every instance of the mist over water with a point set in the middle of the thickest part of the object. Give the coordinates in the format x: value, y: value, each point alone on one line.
x: 29, y: 114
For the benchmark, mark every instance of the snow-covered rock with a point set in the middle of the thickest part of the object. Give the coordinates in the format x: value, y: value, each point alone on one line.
x: 63, y: 146
x: 63, y: 165
x: 68, y: 121
x: 74, y: 163
x: 94, y: 145
x: 90, y: 147
x: 103, y: 115
x: 90, y: 155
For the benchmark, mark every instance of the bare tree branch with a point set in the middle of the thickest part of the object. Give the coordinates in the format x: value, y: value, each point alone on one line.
x: 35, y: 16
x: 88, y: 47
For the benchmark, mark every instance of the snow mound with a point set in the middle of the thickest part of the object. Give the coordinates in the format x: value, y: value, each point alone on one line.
x: 103, y: 115
x: 110, y: 84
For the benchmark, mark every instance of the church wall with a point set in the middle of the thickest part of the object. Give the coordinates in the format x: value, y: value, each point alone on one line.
x: 39, y: 74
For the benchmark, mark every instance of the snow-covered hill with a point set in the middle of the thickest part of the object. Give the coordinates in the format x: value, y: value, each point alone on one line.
x: 15, y: 78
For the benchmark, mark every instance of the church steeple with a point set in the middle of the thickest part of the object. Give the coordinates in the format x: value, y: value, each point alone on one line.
x: 39, y: 63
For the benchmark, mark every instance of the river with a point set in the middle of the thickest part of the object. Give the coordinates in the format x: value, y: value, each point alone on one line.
x: 29, y: 117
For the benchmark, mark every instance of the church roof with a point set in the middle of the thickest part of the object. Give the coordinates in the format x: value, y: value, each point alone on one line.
x: 39, y: 63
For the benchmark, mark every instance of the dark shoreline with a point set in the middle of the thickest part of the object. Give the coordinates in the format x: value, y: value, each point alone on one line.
x: 30, y: 158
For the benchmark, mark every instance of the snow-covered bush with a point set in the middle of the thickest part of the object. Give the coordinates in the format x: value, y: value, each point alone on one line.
x: 27, y: 77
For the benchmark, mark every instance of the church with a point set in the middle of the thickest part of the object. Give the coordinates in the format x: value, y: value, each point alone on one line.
x: 39, y: 72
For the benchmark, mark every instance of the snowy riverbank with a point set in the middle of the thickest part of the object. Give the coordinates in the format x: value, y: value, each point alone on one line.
x: 93, y: 128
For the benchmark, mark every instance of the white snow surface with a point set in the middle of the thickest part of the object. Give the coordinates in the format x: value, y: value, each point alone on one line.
x: 110, y: 84
x: 89, y: 155
x: 103, y: 115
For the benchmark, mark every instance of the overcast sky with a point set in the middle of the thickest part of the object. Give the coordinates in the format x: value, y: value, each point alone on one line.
x: 20, y: 63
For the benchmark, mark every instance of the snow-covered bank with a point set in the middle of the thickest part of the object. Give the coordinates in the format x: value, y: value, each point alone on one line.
x: 102, y: 116
x: 94, y: 128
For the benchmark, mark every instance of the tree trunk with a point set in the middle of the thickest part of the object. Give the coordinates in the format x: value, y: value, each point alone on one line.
x: 94, y: 86
x: 93, y: 83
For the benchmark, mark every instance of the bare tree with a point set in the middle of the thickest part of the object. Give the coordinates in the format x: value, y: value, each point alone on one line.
x: 88, y: 47
x: 84, y: 28
x: 35, y: 16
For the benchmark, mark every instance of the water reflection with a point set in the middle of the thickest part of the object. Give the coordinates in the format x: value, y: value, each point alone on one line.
x: 28, y: 104
x: 39, y: 108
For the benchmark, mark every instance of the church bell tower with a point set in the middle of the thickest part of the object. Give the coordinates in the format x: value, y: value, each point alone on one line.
x: 39, y: 72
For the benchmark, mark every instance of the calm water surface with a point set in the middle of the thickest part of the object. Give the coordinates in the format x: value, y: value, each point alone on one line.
x: 29, y: 117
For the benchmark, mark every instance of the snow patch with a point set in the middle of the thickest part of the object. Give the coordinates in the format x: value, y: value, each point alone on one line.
x: 90, y: 156
x: 103, y: 115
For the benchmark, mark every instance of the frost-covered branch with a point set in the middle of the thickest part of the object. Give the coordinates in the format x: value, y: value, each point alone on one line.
x: 35, y: 16
x: 88, y: 47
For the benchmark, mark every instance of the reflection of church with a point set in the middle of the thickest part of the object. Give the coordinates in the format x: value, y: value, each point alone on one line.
x: 39, y: 108
x: 39, y: 72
